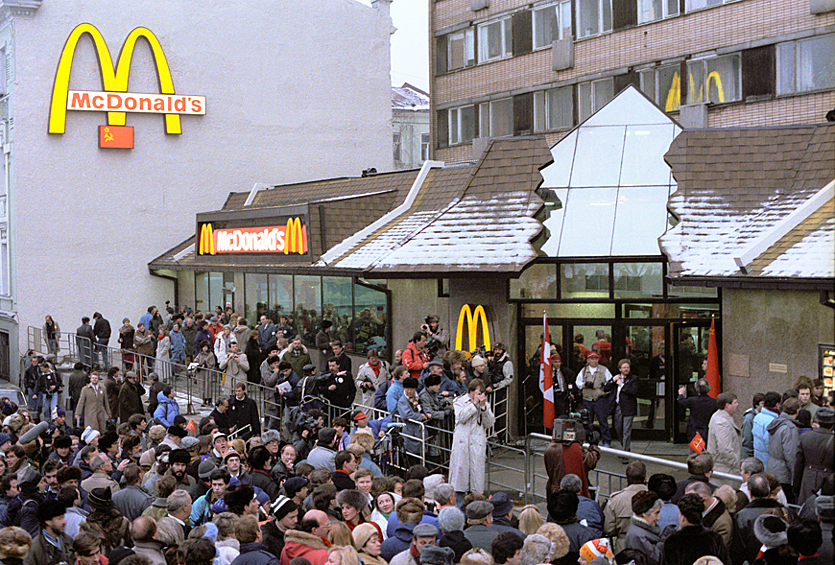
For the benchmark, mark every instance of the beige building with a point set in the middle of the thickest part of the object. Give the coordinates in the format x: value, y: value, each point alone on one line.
x: 410, y: 126
x: 516, y: 67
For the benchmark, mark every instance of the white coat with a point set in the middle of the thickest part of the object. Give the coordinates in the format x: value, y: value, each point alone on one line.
x: 469, y: 445
x: 366, y: 373
x: 723, y: 442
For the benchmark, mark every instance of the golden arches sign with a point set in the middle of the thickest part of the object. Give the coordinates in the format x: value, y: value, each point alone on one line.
x: 206, y: 244
x: 112, y: 80
x: 472, y: 319
x: 673, y: 100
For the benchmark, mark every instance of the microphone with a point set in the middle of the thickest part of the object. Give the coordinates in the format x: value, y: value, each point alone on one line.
x: 395, y: 425
x: 32, y: 434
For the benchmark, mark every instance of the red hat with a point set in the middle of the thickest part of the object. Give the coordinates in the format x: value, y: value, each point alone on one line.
x: 556, y: 355
x: 360, y: 416
x: 592, y: 355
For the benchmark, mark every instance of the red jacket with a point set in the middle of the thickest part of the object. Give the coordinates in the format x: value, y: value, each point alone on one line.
x: 301, y: 544
x: 414, y: 360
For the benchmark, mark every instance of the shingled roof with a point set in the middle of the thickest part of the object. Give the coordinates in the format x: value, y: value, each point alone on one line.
x: 755, y: 207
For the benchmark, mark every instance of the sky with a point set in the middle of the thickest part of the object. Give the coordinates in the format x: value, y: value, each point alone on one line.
x: 410, y: 43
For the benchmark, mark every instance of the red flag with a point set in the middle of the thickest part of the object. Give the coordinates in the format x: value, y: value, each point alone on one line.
x: 116, y: 137
x: 546, y: 377
x: 192, y: 426
x: 712, y: 373
x: 697, y: 444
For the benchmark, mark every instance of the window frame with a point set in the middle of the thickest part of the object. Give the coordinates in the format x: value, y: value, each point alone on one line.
x: 557, y: 5
x: 506, y: 23
x: 397, y: 146
x: 601, y: 29
x: 425, y: 141
x: 795, y: 46
x: 704, y: 61
x: 689, y: 8
x: 485, y: 117
x: 468, y: 35
x: 543, y: 95
x: 457, y: 110
x: 593, y: 105
x: 665, y: 12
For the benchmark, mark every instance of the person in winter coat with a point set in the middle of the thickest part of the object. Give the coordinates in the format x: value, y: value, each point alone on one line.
x: 253, y: 552
x: 242, y: 412
x: 723, y: 436
x: 125, y: 339
x: 167, y: 407
x: 815, y: 456
x: 371, y: 376
x: 748, y: 426
x: 234, y: 363
x: 469, y: 439
x: 308, y: 540
x: 130, y: 402
x: 23, y: 509
x: 178, y: 345
x: 411, y: 412
x: 206, y: 363
x: 626, y: 402
x: 692, y: 540
x: 769, y: 411
x: 297, y: 356
x: 783, y: 442
x: 52, y: 333
x: 93, y: 405
x: 163, y: 359
x: 618, y: 512
x: 701, y: 408
x: 643, y: 535
x: 143, y: 343
x: 51, y: 518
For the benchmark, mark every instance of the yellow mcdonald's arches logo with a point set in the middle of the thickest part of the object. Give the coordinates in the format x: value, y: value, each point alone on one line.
x: 206, y: 245
x: 674, y: 94
x: 116, y: 81
x: 472, y: 319
x: 296, y: 237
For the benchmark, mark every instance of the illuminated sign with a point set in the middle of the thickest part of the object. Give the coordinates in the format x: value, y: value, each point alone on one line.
x: 472, y: 319
x: 290, y: 238
x: 115, y: 99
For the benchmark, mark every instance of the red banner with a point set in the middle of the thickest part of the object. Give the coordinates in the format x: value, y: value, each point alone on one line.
x: 546, y: 377
x: 116, y: 137
x: 697, y: 444
x: 712, y: 371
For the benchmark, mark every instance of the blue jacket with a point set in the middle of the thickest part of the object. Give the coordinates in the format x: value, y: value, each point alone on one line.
x: 393, y: 394
x: 451, y: 386
x: 167, y: 409
x: 255, y: 554
x: 761, y: 422
x: 400, y: 541
x: 394, y: 522
x: 178, y: 347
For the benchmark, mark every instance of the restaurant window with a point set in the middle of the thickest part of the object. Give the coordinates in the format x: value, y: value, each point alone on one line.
x: 806, y: 65
x: 497, y: 117
x: 368, y: 329
x: 460, y: 49
x: 591, y: 96
x: 210, y: 288
x: 716, y: 80
x: 593, y: 17
x: 652, y: 10
x: 553, y: 109
x: 638, y: 280
x: 537, y: 281
x: 584, y: 280
x: 307, y: 294
x: 281, y: 295
x: 256, y: 296
x: 495, y: 40
x: 337, y: 306
x: 461, y: 124
x: 550, y: 23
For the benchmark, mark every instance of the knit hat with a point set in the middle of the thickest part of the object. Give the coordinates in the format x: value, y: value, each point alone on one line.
x: 204, y: 470
x: 362, y: 534
x: 101, y: 498
x: 326, y: 436
x: 231, y: 453
x: 270, y: 435
x: 179, y: 456
x: 434, y: 555
x: 4, y: 438
x: 157, y: 432
x: 424, y: 531
x: 147, y: 459
x: 353, y: 498
x: 89, y: 434
x: 477, y: 361
x: 179, y: 420
x: 596, y: 548
x: 451, y: 519
x: 430, y: 483
x: 478, y: 510
x: 770, y: 530
x: 282, y: 506
x: 189, y: 443
x: 501, y: 504
x: 293, y: 485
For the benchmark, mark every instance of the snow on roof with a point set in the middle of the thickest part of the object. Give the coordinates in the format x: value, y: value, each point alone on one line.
x: 408, y: 97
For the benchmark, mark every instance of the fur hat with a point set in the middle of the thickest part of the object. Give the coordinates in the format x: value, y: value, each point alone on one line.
x: 50, y: 509
x: 770, y: 530
x: 434, y: 555
x: 410, y: 382
x: 270, y: 435
x: 177, y: 431
x: 431, y: 380
x: 353, y: 498
x: 179, y: 456
x: 366, y: 440
x: 14, y: 543
x: 362, y: 534
x: 157, y: 432
x: 560, y: 543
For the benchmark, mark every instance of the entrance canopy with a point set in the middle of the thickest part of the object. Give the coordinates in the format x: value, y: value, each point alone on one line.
x: 606, y: 191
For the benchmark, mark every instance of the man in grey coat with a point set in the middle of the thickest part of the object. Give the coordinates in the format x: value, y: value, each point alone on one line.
x: 143, y: 532
x: 783, y: 441
x: 132, y: 500
x: 479, y: 518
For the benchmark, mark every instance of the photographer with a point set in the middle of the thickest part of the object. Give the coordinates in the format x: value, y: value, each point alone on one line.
x: 51, y: 386
x: 414, y: 356
x: 569, y: 457
x: 595, y: 381
x: 437, y: 339
x: 372, y: 375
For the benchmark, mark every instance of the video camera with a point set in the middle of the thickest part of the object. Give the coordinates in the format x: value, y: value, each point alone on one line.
x: 569, y: 430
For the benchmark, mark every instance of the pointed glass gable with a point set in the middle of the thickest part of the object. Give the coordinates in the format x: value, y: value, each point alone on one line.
x: 606, y: 191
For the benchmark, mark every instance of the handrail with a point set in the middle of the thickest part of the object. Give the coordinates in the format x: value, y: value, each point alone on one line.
x: 638, y: 456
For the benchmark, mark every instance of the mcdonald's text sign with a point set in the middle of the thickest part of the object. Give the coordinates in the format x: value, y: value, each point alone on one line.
x: 115, y: 99
x: 470, y: 319
x: 290, y: 238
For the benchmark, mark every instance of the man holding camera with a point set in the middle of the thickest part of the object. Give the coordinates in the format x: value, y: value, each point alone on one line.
x: 593, y: 380
x: 437, y: 339
x: 414, y: 356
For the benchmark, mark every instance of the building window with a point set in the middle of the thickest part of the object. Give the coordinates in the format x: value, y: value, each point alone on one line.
x: 693, y: 5
x: 715, y: 80
x: 663, y: 85
x: 553, y: 109
x: 5, y: 269
x: 592, y: 96
x: 652, y: 10
x: 496, y: 117
x: 398, y: 156
x: 806, y: 65
x: 593, y: 17
x: 461, y: 124
x: 424, y: 147
x: 550, y: 23
x: 495, y: 40
x: 461, y: 49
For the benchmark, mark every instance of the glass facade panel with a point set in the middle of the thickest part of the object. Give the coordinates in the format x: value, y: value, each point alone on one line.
x: 556, y: 311
x: 201, y: 291
x: 584, y: 280
x: 638, y: 279
x: 643, y: 155
x: 669, y: 88
x: 696, y: 82
x: 640, y: 218
x: 537, y: 281
x: 593, y: 142
x: 308, y: 305
x: 215, y: 290
x: 785, y: 68
x: 281, y: 295
x: 691, y: 291
x: 642, y: 311
x: 337, y: 306
x: 368, y: 329
x: 256, y: 296
x: 816, y: 63
x: 724, y: 78
x: 588, y: 222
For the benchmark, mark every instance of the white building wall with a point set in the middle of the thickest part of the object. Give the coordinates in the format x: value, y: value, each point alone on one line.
x: 295, y: 90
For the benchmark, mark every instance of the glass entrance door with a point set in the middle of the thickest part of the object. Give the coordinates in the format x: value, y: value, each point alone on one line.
x: 646, y: 348
x: 689, y: 358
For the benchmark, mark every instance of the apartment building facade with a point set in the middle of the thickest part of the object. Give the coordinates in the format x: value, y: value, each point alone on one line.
x: 521, y: 67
